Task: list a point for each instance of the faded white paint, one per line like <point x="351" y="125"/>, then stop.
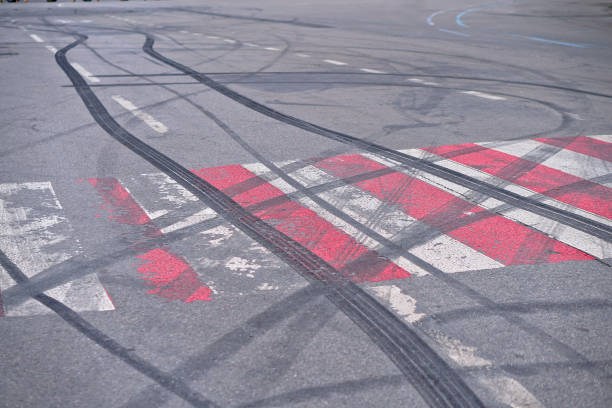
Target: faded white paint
<point x="484" y="95"/>
<point x="603" y="138"/>
<point x="568" y="161"/>
<point x="403" y="304"/>
<point x="79" y="68"/>
<point x="441" y="251"/>
<point x="334" y="62"/>
<point x="36" y="38"/>
<point x="145" y="117"/>
<point x="506" y="185"/>
<point x="594" y="246"/>
<point x="35" y="235"/>
<point x="372" y="71"/>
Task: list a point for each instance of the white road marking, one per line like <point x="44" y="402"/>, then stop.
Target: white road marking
<point x="184" y="32"/>
<point x="509" y="391"/>
<point x="372" y="71"/>
<point x="267" y="286"/>
<point x="36" y="38"/>
<point x="484" y="95"/>
<point x="568" y="161"/>
<point x="403" y="304"/>
<point x="212" y="37"/>
<point x="506" y="185"/>
<point x="271" y="48"/>
<point x="84" y="72"/>
<point x="441" y="251"/>
<point x="594" y="246"/>
<point x="145" y="117"/>
<point x="420" y="81"/>
<point x="194" y="219"/>
<point x="51" y="48"/>
<point x="303" y="55"/>
<point x="334" y="62"/>
<point x="603" y="138"/>
<point x="505" y="389"/>
<point x="227" y="40"/>
<point x="35" y="235"/>
<point x="251" y="45"/>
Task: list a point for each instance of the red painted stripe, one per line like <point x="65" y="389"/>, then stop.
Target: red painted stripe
<point x="118" y="201"/>
<point x="580" y="144"/>
<point x="172" y="277"/>
<point x="553" y="183"/>
<point x="303" y="225"/>
<point x="495" y="236"/>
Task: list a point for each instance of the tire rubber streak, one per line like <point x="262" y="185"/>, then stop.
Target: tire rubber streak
<point x="340" y="250"/>
<point x="516" y="200"/>
<point x="581" y="144"/>
<point x="550" y="182"/>
<point x="431" y="376"/>
<point x="172" y="384"/>
<point x="493" y="235"/>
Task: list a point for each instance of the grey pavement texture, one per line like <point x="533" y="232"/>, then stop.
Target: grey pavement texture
<point x="392" y="72"/>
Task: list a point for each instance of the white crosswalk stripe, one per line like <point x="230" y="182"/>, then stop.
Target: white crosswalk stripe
<point x="35" y="235"/>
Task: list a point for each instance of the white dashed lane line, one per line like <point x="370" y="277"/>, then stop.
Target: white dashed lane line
<point x="251" y="45"/>
<point x="372" y="71"/>
<point x="36" y="38"/>
<point x="334" y="62"/>
<point x="90" y="77"/>
<point x="303" y="55"/>
<point x="51" y="48"/>
<point x="420" y="81"/>
<point x="227" y="40"/>
<point x="145" y="117"/>
<point x="484" y="95"/>
<point x="272" y="49"/>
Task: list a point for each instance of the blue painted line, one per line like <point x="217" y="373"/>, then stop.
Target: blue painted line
<point x="430" y="18"/>
<point x="460" y="15"/>
<point x="544" y="40"/>
<point x="454" y="32"/>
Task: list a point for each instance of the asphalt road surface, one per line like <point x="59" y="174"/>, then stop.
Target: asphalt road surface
<point x="349" y="203"/>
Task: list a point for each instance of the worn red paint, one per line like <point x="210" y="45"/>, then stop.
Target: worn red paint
<point x="581" y="144"/>
<point x="495" y="236"/>
<point x="172" y="277"/>
<point x="119" y="202"/>
<point x="303" y="225"/>
<point x="550" y="182"/>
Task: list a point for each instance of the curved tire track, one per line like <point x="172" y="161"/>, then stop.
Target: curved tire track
<point x="564" y="217"/>
<point x="431" y="376"/>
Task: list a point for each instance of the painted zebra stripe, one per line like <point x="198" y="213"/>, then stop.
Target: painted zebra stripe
<point x="32" y="228"/>
<point x="493" y="235"/>
<point x="488" y="178"/>
<point x="581" y="144"/>
<point x="567" y="161"/>
<point x="594" y="246"/>
<point x="169" y="274"/>
<point x="303" y="225"/>
<point x="542" y="179"/>
<point x="439" y="250"/>
<point x="603" y="138"/>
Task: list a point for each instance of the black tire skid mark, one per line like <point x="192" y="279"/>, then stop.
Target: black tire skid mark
<point x="431" y="376"/>
<point x="564" y="217"/>
<point x="171" y="383"/>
